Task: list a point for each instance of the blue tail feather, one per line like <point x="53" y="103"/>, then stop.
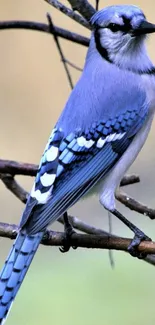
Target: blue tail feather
<point x="15" y="269"/>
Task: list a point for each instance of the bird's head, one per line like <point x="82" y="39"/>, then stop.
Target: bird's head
<point x="120" y="32"/>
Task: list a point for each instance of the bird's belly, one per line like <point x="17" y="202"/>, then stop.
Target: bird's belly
<point x="112" y="181"/>
<point x="107" y="186"/>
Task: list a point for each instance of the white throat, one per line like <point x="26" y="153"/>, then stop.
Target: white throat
<point x="132" y="57"/>
<point x="127" y="54"/>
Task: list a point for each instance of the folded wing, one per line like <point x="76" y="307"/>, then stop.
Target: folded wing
<point x="71" y="165"/>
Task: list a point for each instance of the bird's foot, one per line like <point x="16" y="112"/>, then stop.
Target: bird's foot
<point x="138" y="237"/>
<point x="133" y="247"/>
<point x="46" y="236"/>
<point x="68" y="232"/>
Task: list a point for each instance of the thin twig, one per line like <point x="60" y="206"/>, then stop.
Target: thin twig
<point x="135" y="205"/>
<point x="14" y="187"/>
<point x="97" y="4"/>
<point x="52" y="28"/>
<point x="83" y="7"/>
<point x="129" y="180"/>
<point x="84" y="227"/>
<point x="73" y="65"/>
<point x="31" y="25"/>
<point x="17" y="168"/>
<point x="8" y="231"/>
<point x="150" y="259"/>
<point x="68" y="12"/>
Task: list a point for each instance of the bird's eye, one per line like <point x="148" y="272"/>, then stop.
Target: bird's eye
<point x="114" y="27"/>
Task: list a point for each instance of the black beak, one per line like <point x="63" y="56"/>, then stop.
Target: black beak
<point x="144" y="28"/>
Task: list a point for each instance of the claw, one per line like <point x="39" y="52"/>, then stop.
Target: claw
<point x="64" y="249"/>
<point x="46" y="236"/>
<point x="68" y="233"/>
<point x="133" y="247"/>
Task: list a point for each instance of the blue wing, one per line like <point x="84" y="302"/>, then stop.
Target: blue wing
<point x="71" y="165"/>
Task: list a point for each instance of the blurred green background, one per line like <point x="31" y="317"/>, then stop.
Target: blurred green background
<point x="79" y="287"/>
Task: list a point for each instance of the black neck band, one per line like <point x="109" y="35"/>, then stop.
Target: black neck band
<point x="103" y="52"/>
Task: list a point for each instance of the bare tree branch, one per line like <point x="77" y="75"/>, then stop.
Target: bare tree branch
<point x="53" y="238"/>
<point x="129" y="180"/>
<point x="73" y="65"/>
<point x="31" y="25"/>
<point x="150" y="259"/>
<point x="97" y="4"/>
<point x="83" y="7"/>
<point x="14" y="187"/>
<point x="84" y="227"/>
<point x="135" y="205"/>
<point x="17" y="168"/>
<point x="52" y="28"/>
<point x="68" y="12"/>
<point x="8" y="231"/>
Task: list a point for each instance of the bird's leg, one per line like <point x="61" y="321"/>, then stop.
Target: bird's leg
<point x="138" y="238"/>
<point x="69" y="231"/>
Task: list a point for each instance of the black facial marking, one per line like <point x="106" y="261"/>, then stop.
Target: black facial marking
<point x="114" y="27"/>
<point x="127" y="23"/>
<point x="149" y="71"/>
<point x="125" y="28"/>
<point x="103" y="52"/>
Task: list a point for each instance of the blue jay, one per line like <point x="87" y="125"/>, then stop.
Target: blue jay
<point x="97" y="137"/>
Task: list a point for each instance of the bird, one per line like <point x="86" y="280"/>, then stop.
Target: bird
<point x="98" y="135"/>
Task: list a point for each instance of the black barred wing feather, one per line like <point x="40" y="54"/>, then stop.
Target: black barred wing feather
<point x="45" y="177"/>
<point x="80" y="161"/>
<point x="47" y="171"/>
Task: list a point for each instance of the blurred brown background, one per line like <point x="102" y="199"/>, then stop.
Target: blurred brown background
<point x="79" y="287"/>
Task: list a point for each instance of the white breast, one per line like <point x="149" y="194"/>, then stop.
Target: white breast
<point x="148" y="83"/>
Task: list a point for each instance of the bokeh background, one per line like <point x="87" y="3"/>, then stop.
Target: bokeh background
<point x="79" y="287"/>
